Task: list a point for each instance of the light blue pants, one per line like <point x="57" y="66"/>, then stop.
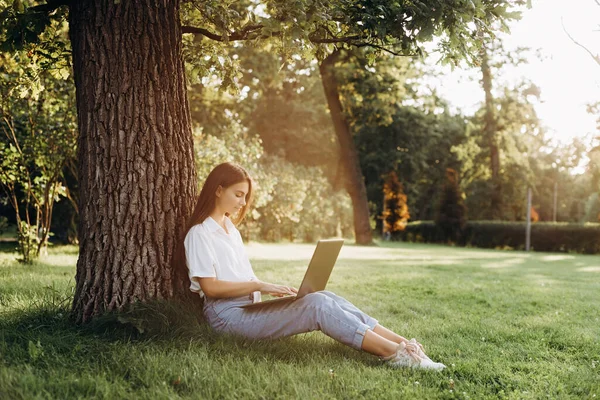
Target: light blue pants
<point x="324" y="311"/>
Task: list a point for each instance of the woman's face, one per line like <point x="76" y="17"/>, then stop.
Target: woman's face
<point x="232" y="198"/>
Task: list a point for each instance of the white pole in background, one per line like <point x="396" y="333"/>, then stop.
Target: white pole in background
<point x="528" y="230"/>
<point x="555" y="201"/>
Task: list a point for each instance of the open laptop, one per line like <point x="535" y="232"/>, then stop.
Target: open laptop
<point x="317" y="273"/>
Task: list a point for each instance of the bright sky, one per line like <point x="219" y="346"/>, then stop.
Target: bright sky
<point x="567" y="75"/>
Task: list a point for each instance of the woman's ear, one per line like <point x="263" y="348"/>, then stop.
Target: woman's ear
<point x="219" y="190"/>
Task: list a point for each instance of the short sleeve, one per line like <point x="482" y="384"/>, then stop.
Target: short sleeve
<point x="199" y="255"/>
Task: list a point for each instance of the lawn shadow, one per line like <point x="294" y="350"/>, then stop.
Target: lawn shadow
<point x="9" y="246"/>
<point x="46" y="338"/>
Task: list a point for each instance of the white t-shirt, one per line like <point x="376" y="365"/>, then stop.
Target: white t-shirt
<point x="212" y="253"/>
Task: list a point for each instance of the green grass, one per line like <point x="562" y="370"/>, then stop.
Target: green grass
<point x="507" y="324"/>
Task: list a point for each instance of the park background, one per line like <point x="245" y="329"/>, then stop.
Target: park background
<point x="440" y="146"/>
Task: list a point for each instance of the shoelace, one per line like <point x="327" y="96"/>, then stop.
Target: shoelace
<point x="413" y="349"/>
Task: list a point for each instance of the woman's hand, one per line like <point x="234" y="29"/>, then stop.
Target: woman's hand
<point x="277" y="290"/>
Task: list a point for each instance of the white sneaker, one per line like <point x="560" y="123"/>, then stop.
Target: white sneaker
<point x="412" y="355"/>
<point x="418" y="349"/>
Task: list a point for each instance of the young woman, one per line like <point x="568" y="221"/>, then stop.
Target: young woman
<point x="219" y="270"/>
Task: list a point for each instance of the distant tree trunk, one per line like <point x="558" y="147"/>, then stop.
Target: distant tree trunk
<point x="354" y="182"/>
<point x="490" y="130"/>
<point x="135" y="153"/>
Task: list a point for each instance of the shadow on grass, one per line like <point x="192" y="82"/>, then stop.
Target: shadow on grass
<point x="9" y="246"/>
<point x="46" y="338"/>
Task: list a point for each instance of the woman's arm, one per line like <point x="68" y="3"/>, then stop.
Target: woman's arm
<point x="213" y="287"/>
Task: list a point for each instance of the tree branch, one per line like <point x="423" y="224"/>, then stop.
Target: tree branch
<point x="595" y="57"/>
<point x="50" y="6"/>
<point x="247" y="34"/>
<point x="345" y="39"/>
<point x="244" y="34"/>
<point x="376" y="46"/>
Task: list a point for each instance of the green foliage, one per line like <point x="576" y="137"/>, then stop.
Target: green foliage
<point x="313" y="29"/>
<point x="273" y="98"/>
<point x="303" y="204"/>
<point x="275" y="94"/>
<point x="399" y="126"/>
<point x="563" y="237"/>
<point x="37" y="39"/>
<point x="284" y="99"/>
<point x="23" y="24"/>
<point x="452" y="213"/>
<point x="545" y="236"/>
<point x="399" y="26"/>
<point x="291" y="201"/>
<point x="527" y="158"/>
<point x="291" y="162"/>
<point x="372" y="91"/>
<point x="38" y="138"/>
<point x="29" y="241"/>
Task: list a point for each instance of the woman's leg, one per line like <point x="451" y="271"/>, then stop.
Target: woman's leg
<point x="388" y="334"/>
<point x="378" y="345"/>
<point x="351" y="308"/>
<point x="314" y="311"/>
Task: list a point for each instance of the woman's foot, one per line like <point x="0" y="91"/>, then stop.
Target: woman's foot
<point x="410" y="354"/>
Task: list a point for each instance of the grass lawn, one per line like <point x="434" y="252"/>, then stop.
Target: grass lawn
<point x="507" y="324"/>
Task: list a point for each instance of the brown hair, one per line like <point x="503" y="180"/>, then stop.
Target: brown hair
<point x="223" y="175"/>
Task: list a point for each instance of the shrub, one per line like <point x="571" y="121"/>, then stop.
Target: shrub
<point x="545" y="236"/>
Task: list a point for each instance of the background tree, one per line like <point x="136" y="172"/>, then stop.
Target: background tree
<point x="39" y="134"/>
<point x="395" y="211"/>
<point x="331" y="28"/>
<point x="493" y="57"/>
<point x="400" y="124"/>
<point x="522" y="141"/>
<point x="452" y="213"/>
<point x="260" y="127"/>
<point x="399" y="29"/>
<point x="490" y="132"/>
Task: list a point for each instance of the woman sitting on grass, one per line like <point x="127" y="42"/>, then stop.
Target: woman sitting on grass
<point x="219" y="270"/>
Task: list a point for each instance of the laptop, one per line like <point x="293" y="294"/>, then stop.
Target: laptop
<point x="317" y="274"/>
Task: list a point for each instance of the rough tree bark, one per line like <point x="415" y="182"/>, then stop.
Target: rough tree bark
<point x="135" y="152"/>
<point x="490" y="130"/>
<point x="354" y="182"/>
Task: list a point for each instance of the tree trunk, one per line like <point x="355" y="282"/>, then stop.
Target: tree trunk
<point x="354" y="181"/>
<point x="135" y="152"/>
<point x="491" y="134"/>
